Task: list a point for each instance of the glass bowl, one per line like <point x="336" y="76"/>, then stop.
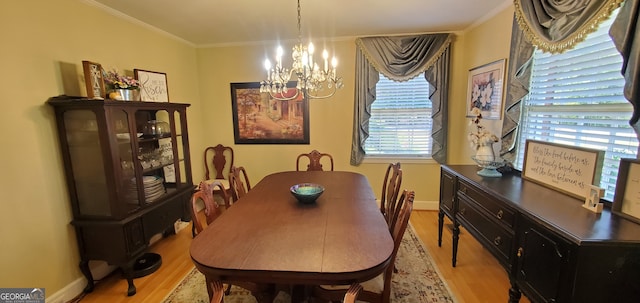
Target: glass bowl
<point x="156" y="128"/>
<point x="307" y="193"/>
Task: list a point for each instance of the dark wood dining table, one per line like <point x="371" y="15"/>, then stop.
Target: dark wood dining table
<point x="269" y="237"/>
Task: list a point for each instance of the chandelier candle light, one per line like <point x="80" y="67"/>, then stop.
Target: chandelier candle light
<point x="311" y="79"/>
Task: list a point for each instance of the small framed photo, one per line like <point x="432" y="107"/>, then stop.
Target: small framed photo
<point x="153" y="85"/>
<point x="485" y="89"/>
<point x="626" y="201"/>
<point x="94" y="79"/>
<point x="260" y="119"/>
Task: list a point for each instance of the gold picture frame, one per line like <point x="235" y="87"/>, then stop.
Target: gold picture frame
<point x="260" y="119"/>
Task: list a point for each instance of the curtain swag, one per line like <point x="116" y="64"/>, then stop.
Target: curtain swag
<point x="557" y="25"/>
<point x="401" y="58"/>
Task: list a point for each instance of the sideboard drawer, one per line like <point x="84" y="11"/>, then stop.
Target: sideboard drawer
<point x="492" y="206"/>
<point x="495" y="238"/>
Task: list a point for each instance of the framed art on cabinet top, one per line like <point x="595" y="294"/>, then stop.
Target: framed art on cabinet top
<point x="93" y="79"/>
<point x="153" y="85"/>
<point x="626" y="201"/>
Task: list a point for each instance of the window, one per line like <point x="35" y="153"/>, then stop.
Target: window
<point x="400" y="123"/>
<point x="576" y="98"/>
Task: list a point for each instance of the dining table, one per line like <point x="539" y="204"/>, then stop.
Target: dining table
<point x="267" y="236"/>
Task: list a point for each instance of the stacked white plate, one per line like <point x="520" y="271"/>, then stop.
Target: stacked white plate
<point x="153" y="188"/>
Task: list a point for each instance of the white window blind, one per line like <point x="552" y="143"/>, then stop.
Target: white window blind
<point x="576" y="98"/>
<point x="400" y="123"/>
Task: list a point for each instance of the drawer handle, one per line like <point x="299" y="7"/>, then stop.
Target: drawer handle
<point x="464" y="190"/>
<point x="462" y="211"/>
<point x="497" y="241"/>
<point x="520" y="252"/>
<point x="500" y="214"/>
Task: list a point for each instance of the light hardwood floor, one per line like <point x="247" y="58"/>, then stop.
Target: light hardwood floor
<point x="477" y="276"/>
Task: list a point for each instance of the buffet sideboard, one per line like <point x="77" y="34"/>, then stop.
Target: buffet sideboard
<point x="553" y="249"/>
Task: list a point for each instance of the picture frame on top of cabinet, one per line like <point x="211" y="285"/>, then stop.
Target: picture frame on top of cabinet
<point x="94" y="79"/>
<point x="626" y="200"/>
<point x="485" y="89"/>
<point x="153" y="85"/>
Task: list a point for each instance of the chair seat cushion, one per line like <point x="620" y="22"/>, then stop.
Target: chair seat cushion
<point x="224" y="182"/>
<point x="375" y="285"/>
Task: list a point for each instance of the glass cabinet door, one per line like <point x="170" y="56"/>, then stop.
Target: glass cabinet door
<point x="87" y="163"/>
<point x="125" y="173"/>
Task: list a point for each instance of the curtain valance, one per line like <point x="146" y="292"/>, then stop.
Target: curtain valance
<point x="401" y="58"/>
<point x="557" y="25"/>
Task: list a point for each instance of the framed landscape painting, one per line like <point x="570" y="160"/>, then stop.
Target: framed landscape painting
<point x="260" y="119"/>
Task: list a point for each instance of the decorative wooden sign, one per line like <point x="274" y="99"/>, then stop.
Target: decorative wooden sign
<point x="569" y="169"/>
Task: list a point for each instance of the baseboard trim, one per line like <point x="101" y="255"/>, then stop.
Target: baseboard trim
<point x="99" y="270"/>
<point x="425" y="205"/>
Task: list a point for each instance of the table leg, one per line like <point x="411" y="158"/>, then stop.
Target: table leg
<point x="298" y="293"/>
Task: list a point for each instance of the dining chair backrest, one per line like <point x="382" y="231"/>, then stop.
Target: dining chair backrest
<point x="352" y="293"/>
<point x="315" y="160"/>
<point x="390" y="190"/>
<point x="239" y="182"/>
<point x="402" y="213"/>
<point x="378" y="289"/>
<point x="221" y="157"/>
<point x="211" y="209"/>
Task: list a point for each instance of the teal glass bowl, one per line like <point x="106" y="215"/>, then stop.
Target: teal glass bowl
<point x="307" y="193"/>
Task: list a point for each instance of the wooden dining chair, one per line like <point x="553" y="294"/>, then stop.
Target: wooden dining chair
<point x="352" y="293"/>
<point x="315" y="158"/>
<point x="239" y="182"/>
<point x="378" y="289"/>
<point x="211" y="210"/>
<point x="390" y="190"/>
<point x="218" y="161"/>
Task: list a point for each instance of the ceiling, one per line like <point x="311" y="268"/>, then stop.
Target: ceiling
<point x="230" y="22"/>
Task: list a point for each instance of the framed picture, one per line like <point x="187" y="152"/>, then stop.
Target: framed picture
<point x="153" y="85"/>
<point x="260" y="119"/>
<point x="568" y="169"/>
<point x="485" y="89"/>
<point x="626" y="201"/>
<point x="93" y="79"/>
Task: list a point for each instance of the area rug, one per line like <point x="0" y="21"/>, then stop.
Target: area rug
<point x="417" y="280"/>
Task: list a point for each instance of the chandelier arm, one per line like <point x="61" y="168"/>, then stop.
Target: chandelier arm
<point x="284" y="98"/>
<point x="314" y="96"/>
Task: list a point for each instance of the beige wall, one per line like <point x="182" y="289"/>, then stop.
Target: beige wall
<point x="487" y="42"/>
<point x="43" y="45"/>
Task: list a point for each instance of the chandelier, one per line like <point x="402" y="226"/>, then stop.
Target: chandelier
<point x="311" y="78"/>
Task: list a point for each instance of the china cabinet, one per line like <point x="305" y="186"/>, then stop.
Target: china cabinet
<point x="128" y="175"/>
<point x="553" y="249"/>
